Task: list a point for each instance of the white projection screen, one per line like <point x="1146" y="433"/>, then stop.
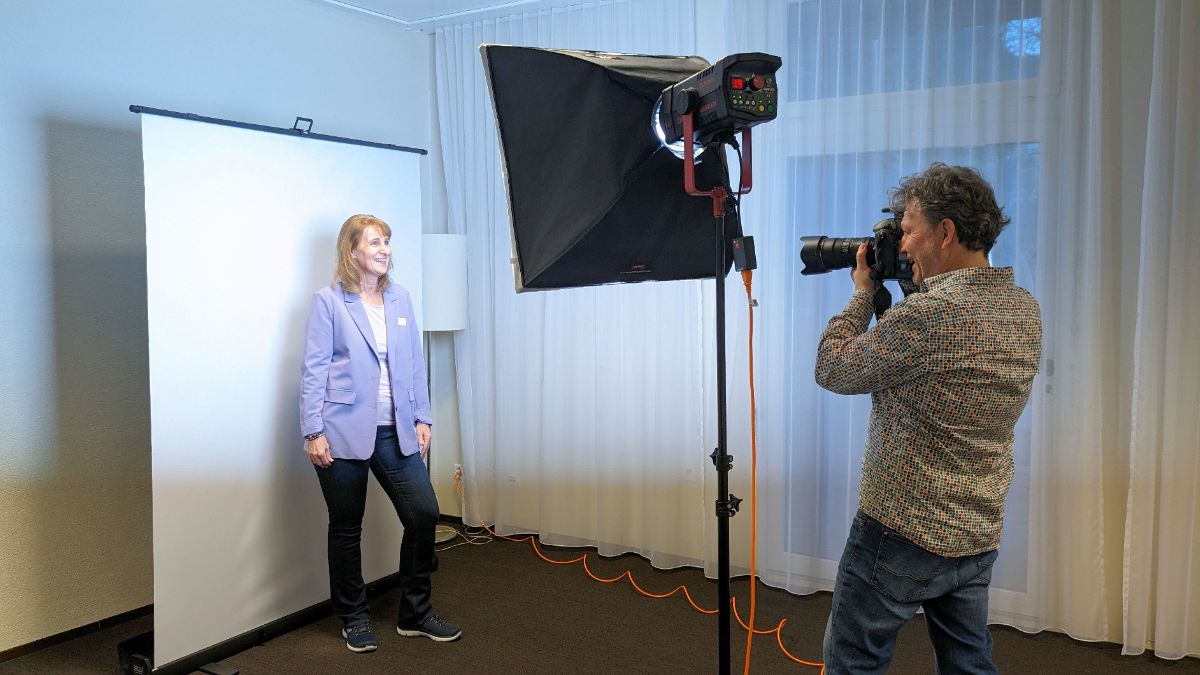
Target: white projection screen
<point x="240" y="231"/>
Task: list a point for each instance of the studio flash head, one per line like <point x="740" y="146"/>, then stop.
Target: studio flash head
<point x="735" y="93"/>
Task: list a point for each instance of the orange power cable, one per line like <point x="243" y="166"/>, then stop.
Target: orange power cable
<point x="777" y="630"/>
<point x="747" y="277"/>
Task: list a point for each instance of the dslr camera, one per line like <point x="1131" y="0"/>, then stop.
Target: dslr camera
<point x="821" y="254"/>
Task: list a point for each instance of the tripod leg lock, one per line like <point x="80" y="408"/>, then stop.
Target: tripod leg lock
<point x="728" y="508"/>
<point x="725" y="465"/>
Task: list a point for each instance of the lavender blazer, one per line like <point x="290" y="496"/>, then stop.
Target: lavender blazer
<point x="339" y="379"/>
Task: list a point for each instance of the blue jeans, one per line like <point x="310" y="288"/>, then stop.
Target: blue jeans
<point x="406" y="482"/>
<point x="882" y="579"/>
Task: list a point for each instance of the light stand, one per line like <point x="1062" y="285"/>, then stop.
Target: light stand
<point x="620" y="217"/>
<point x="727" y="504"/>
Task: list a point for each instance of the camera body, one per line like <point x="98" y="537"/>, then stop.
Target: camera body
<point x="821" y="254"/>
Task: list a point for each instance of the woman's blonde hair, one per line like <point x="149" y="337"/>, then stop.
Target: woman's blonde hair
<point x="347" y="270"/>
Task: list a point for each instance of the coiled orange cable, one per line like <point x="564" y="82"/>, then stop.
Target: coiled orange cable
<point x="747" y="276"/>
<point x="777" y="630"/>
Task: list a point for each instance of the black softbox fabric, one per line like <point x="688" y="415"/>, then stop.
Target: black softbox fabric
<point x="593" y="196"/>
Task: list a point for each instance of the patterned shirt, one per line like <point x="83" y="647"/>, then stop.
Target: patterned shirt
<point x="949" y="370"/>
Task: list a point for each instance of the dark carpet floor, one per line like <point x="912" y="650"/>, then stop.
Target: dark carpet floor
<point x="522" y="615"/>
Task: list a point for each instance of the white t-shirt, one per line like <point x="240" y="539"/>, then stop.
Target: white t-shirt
<point x="387" y="413"/>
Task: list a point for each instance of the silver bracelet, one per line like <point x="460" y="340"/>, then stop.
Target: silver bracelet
<point x="313" y="437"/>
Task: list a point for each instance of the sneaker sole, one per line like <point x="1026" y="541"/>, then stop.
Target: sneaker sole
<point x="360" y="650"/>
<point x="420" y="633"/>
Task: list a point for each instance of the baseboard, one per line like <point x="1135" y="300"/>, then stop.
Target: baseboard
<point x="66" y="636"/>
<point x="269" y="631"/>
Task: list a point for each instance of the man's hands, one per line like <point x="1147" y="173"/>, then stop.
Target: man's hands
<point x="861" y="272"/>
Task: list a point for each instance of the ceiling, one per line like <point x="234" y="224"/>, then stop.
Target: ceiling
<point x="429" y="14"/>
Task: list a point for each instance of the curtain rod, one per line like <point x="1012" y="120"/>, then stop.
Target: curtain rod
<point x="294" y="131"/>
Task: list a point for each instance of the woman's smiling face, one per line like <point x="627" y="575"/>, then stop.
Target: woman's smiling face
<point x="373" y="253"/>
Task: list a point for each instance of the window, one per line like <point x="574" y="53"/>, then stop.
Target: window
<point x="855" y="47"/>
<point x="877" y="90"/>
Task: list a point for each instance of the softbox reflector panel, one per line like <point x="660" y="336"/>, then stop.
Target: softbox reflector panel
<point x="594" y="197"/>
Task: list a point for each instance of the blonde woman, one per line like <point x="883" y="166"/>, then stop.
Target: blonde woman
<point x="364" y="408"/>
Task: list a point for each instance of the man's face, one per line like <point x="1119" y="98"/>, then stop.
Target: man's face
<point x="921" y="241"/>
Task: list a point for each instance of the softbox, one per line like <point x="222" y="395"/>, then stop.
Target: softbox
<point x="593" y="196"/>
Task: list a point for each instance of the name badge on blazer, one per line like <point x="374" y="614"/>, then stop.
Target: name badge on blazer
<point x="401" y="321"/>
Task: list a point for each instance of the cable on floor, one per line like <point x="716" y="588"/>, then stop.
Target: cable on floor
<point x="777" y="630"/>
<point x="748" y="627"/>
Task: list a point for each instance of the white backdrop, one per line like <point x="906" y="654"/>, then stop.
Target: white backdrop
<point x="240" y="230"/>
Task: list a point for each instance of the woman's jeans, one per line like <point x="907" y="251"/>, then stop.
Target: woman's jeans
<point x="882" y="579"/>
<point x="406" y="482"/>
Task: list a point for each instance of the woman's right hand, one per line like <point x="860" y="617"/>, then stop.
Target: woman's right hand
<point x="318" y="452"/>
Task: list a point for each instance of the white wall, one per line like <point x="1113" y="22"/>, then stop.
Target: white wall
<point x="74" y="418"/>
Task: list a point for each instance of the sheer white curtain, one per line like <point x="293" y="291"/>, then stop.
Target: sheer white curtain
<point x="583" y="411"/>
<point x="1162" y="527"/>
<point x="1093" y="151"/>
<point x="1077" y="477"/>
<point x="870" y="91"/>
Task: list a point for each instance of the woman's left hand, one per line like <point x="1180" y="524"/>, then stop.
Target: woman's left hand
<point x="424" y="434"/>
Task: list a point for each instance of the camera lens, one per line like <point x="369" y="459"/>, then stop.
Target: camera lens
<point x="822" y="254"/>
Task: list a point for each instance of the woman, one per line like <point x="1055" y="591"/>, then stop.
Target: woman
<point x="364" y="407"/>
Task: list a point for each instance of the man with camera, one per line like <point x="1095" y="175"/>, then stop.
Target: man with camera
<point x="949" y="370"/>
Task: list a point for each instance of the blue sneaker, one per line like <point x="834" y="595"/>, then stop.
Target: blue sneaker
<point x="433" y="627"/>
<point x="359" y="638"/>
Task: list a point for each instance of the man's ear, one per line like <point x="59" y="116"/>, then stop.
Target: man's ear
<point x="949" y="232"/>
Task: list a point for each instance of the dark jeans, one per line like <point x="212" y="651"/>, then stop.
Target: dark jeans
<point x="882" y="579"/>
<point x="406" y="482"/>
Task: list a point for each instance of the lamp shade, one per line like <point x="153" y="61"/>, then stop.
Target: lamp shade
<point x="444" y="281"/>
<point x="594" y="196"/>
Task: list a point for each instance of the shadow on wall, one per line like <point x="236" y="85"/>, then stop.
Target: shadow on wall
<point x="296" y="566"/>
<point x="95" y="508"/>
